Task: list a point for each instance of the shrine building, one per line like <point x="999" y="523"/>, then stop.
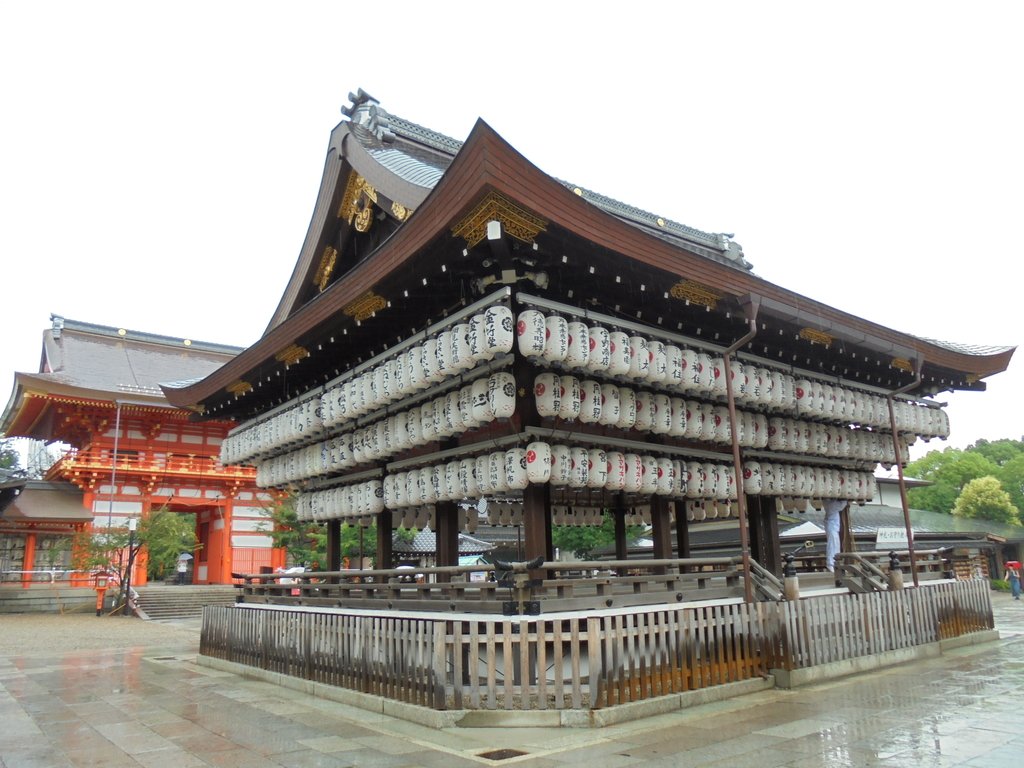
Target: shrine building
<point x="466" y="337"/>
<point x="129" y="451"/>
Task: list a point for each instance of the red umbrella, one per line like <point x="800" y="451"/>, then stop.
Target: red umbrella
<point x="1013" y="563"/>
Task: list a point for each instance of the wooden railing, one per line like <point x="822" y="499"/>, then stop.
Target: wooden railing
<point x="583" y="660"/>
<point x="866" y="571"/>
<point x="559" y="586"/>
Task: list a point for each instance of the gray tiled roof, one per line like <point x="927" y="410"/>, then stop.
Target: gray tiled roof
<point x="425" y="543"/>
<point x="420" y="156"/>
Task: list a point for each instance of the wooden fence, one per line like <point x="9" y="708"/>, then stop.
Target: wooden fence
<point x="583" y="660"/>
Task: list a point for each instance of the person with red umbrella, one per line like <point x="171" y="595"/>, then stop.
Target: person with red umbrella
<point x="1013" y="576"/>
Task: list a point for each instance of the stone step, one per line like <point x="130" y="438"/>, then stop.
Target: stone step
<point x="182" y="602"/>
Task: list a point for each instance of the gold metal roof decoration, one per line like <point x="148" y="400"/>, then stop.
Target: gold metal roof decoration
<point x="291" y="354"/>
<point x="695" y="293"/>
<point x="239" y="388"/>
<point x="357" y="202"/>
<point x="401" y="212"/>
<point x="364" y="307"/>
<point x="901" y="363"/>
<point x="326" y="268"/>
<point x="816" y="337"/>
<point x="516" y="221"/>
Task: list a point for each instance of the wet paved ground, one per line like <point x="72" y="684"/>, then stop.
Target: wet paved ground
<point x="152" y="706"/>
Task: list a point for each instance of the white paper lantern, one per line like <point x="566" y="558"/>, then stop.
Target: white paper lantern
<point x="619" y="348"/>
<point x="677" y="418"/>
<point x="501" y="394"/>
<point x="547" y="392"/>
<point x="657" y="371"/>
<point x="481" y="472"/>
<point x="694" y="420"/>
<point x="515" y="469"/>
<point x="673" y="367"/>
<point x="723" y="426"/>
<point x="578" y="353"/>
<point x="627" y="408"/>
<point x="600" y="349"/>
<point x="666" y="477"/>
<point x="531" y="333"/>
<point x="661" y="423"/>
<point x="538" y="463"/>
<point x="634" y="473"/>
<point x="556" y="342"/>
<point x="430" y="361"/>
<point x="597" y="468"/>
<point x="694" y="480"/>
<point x="639" y="357"/>
<point x="499" y="330"/>
<point x="648" y="475"/>
<point x="478" y="348"/>
<point x="644" y="411"/>
<point x="561" y="465"/>
<point x="579" y="467"/>
<point x="616" y="471"/>
<point x="611" y="405"/>
<point x="590" y="401"/>
<point x="469" y="420"/>
<point x="718" y="381"/>
<point x="461" y="354"/>
<point x="570" y="404"/>
<point x="752" y="478"/>
<point x="497" y="479"/>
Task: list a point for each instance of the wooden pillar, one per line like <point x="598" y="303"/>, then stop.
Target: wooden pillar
<point x="661" y="529"/>
<point x="537" y="522"/>
<point x="333" y="545"/>
<point x="764" y="533"/>
<point x="682" y="530"/>
<point x="29" y="560"/>
<point x="446" y="536"/>
<point x="385" y="529"/>
<point x="619" y="511"/>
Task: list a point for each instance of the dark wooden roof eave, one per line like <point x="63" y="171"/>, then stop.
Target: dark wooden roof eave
<point x="486" y="162"/>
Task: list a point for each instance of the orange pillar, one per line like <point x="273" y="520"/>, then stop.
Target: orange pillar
<point x="29" y="562"/>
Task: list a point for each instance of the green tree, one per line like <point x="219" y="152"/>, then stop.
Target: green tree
<point x="9" y="456"/>
<point x="583" y="540"/>
<point x="166" y="535"/>
<point x="949" y="471"/>
<point x="304" y="541"/>
<point x="985" y="498"/>
<point x="999" y="452"/>
<point x="1011" y="477"/>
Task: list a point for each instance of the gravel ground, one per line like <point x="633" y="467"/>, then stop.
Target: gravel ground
<point x="27" y="634"/>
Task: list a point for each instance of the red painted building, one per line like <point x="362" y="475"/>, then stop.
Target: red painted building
<point x="129" y="451"/>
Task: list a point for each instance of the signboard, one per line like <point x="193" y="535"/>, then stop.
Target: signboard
<point x="891" y="538"/>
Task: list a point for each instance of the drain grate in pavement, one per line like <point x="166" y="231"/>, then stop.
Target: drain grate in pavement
<point x="501" y="754"/>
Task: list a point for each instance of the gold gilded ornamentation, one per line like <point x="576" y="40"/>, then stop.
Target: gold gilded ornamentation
<point x="902" y="364"/>
<point x="239" y="387"/>
<point x="364" y="219"/>
<point x="326" y="268"/>
<point x="815" y="336"/>
<point x="291" y="354"/>
<point x="401" y="212"/>
<point x="695" y="293"/>
<point x="350" y="209"/>
<point x="364" y="307"/>
<point x="516" y="221"/>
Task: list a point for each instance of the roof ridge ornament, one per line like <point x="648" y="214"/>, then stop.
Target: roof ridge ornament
<point x="364" y="111"/>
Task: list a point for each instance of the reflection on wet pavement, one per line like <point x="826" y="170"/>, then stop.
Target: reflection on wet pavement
<point x="156" y="708"/>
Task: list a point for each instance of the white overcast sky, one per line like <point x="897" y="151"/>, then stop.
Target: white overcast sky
<point x="160" y="161"/>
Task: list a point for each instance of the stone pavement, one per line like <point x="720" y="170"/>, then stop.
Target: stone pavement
<point x="150" y="705"/>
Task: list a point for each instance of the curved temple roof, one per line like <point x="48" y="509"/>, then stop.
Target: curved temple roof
<point x="423" y="184"/>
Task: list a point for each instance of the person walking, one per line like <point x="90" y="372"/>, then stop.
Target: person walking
<point x="182" y="569"/>
<point x="1013" y="576"/>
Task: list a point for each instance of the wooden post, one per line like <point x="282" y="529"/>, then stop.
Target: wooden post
<point x="333" y="546"/>
<point x="619" y="511"/>
<point x="764" y="533"/>
<point x="385" y="530"/>
<point x="682" y="531"/>
<point x="537" y="522"/>
<point x="661" y="529"/>
<point x="446" y="515"/>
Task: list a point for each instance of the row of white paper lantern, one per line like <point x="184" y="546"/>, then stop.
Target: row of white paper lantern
<point x="471" y="406"/>
<point x="566" y="397"/>
<point x="452" y="352"/>
<point x="575" y="345"/>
